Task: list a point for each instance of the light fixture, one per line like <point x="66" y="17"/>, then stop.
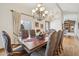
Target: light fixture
<point x="39" y="12"/>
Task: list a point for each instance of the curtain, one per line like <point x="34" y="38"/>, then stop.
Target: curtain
<point x="16" y="25"/>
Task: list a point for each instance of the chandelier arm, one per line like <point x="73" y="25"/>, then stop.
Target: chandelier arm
<point x="39" y="13"/>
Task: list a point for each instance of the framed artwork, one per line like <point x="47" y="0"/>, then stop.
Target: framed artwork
<point x="41" y="26"/>
<point x="36" y="24"/>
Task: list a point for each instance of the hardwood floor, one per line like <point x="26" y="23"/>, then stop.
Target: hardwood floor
<point x="1" y="52"/>
<point x="70" y="44"/>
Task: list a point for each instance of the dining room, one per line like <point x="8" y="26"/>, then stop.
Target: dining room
<point x="39" y="29"/>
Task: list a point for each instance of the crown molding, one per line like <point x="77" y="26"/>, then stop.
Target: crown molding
<point x="21" y="13"/>
<point x="67" y="12"/>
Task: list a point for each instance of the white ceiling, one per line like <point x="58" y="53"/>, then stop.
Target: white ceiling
<point x="30" y="6"/>
<point x="69" y="7"/>
<point x="66" y="7"/>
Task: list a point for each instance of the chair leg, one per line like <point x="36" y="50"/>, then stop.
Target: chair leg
<point x="56" y="53"/>
<point x="61" y="49"/>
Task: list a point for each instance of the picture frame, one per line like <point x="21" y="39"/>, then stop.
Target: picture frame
<point x="36" y="24"/>
<point x="41" y="26"/>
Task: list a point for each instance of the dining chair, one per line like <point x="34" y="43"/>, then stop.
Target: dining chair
<point x="17" y="51"/>
<point x="24" y="34"/>
<point x="59" y="35"/>
<point x="61" y="43"/>
<point x="32" y="33"/>
<point x="51" y="44"/>
<point x="22" y="27"/>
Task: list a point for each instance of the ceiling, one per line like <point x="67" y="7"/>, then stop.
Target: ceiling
<point x="69" y="7"/>
<point x="66" y="7"/>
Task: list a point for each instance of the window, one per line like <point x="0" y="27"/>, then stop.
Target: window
<point x="26" y="22"/>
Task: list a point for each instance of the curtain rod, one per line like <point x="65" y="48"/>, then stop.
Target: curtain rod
<point x="22" y="13"/>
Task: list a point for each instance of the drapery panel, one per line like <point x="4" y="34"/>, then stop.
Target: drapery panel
<point x="16" y="24"/>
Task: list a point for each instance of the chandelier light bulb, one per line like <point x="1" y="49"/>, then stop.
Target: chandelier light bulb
<point x="39" y="12"/>
<point x="42" y="9"/>
<point x="39" y="5"/>
<point x="44" y="15"/>
<point x="36" y="9"/>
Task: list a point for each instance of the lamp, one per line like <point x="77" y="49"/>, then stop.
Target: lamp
<point x="39" y="12"/>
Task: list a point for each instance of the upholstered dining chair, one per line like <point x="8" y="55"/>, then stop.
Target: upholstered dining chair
<point x="51" y="45"/>
<point x="22" y="27"/>
<point x="59" y="35"/>
<point x="24" y="34"/>
<point x="32" y="33"/>
<point x="8" y="48"/>
<point x="61" y="43"/>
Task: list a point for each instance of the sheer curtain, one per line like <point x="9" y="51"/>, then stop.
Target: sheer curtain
<point x="16" y="25"/>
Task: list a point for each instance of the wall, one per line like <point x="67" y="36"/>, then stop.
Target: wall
<point x="6" y="23"/>
<point x="77" y="30"/>
<point x="56" y="22"/>
<point x="24" y="17"/>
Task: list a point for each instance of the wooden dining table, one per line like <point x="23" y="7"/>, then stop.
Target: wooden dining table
<point x="33" y="44"/>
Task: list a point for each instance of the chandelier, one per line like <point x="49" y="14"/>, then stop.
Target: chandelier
<point x="39" y="12"/>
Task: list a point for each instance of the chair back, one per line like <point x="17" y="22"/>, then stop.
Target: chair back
<point x="61" y="39"/>
<point x="50" y="49"/>
<point x="22" y="27"/>
<point x="7" y="42"/>
<point x="32" y="33"/>
<point x="24" y="34"/>
<point x="59" y="35"/>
